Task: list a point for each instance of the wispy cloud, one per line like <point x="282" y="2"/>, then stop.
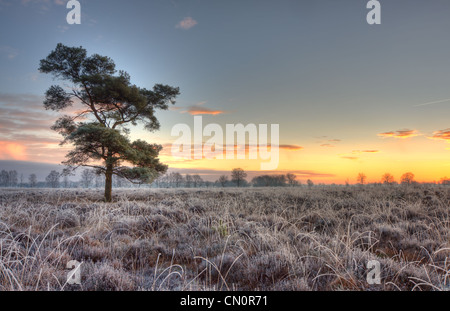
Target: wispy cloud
<point x="42" y="6"/>
<point x="186" y="23"/>
<point x="8" y="52"/>
<point x="441" y="135"/>
<point x="357" y="154"/>
<point x="62" y="28"/>
<point x="405" y="133"/>
<point x="365" y="151"/>
<point x="291" y="147"/>
<point x="434" y="102"/>
<point x="350" y="157"/>
<point x="329" y="143"/>
<point x="47" y="2"/>
<point x="195" y="110"/>
<point x="198" y="109"/>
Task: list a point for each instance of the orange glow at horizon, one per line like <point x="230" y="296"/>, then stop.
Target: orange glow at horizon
<point x="426" y="157"/>
<point x="428" y="160"/>
<point x="9" y="150"/>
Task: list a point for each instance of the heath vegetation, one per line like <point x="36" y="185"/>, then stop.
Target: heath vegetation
<point x="298" y="238"/>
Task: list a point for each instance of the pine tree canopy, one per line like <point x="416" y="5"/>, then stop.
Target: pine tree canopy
<point x="111" y="104"/>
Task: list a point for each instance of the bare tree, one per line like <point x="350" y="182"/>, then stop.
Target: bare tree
<point x="238" y="176"/>
<point x="98" y="181"/>
<point x="310" y="183"/>
<point x="291" y="178"/>
<point x="119" y="182"/>
<point x="4" y="178"/>
<point x="13" y="178"/>
<point x="189" y="180"/>
<point x="32" y="180"/>
<point x="407" y="178"/>
<point x="361" y="178"/>
<point x="177" y="179"/>
<point x="223" y="180"/>
<point x="87" y="177"/>
<point x="66" y="181"/>
<point x="387" y="179"/>
<point x="53" y="179"/>
<point x="197" y="180"/>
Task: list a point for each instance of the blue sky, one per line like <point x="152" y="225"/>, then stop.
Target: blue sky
<point x="314" y="67"/>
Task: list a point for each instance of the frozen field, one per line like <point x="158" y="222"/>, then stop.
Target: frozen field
<point x="318" y="238"/>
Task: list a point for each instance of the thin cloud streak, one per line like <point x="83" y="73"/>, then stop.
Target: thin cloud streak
<point x="435" y="102"/>
<point x="405" y="133"/>
<point x="194" y="111"/>
<point x="198" y="109"/>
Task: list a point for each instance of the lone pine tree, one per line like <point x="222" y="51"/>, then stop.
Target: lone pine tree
<point x="99" y="132"/>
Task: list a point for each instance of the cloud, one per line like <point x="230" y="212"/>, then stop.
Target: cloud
<point x="350" y="158"/>
<point x="356" y="154"/>
<point x="62" y="28"/>
<point x="441" y="135"/>
<point x="47" y="2"/>
<point x="23" y="112"/>
<point x="364" y="151"/>
<point x="198" y="109"/>
<point x="290" y="147"/>
<point x="8" y="51"/>
<point x="329" y="143"/>
<point x="370" y="151"/>
<point x="171" y="108"/>
<point x="434" y="102"/>
<point x="405" y="133"/>
<point x="186" y="23"/>
<point x="195" y="110"/>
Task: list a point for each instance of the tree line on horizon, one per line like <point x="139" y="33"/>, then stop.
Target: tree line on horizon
<point x="238" y="178"/>
<point x="388" y="179"/>
<point x="90" y="179"/>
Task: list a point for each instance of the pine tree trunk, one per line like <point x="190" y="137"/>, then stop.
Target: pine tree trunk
<point x="108" y="183"/>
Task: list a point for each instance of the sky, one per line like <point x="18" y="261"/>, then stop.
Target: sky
<point x="349" y="97"/>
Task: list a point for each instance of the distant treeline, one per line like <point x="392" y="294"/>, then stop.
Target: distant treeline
<point x="89" y="179"/>
<point x="237" y="178"/>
